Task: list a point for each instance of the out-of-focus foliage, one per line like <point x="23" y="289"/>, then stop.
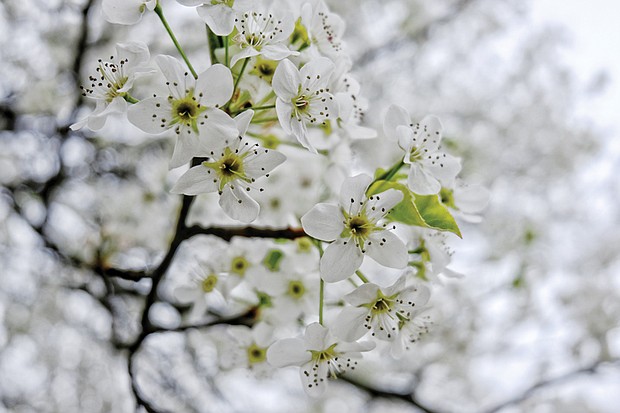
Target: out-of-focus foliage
<point x="541" y="297"/>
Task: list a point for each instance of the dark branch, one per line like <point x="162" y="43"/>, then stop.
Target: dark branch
<point x="407" y="397"/>
<point x="591" y="369"/>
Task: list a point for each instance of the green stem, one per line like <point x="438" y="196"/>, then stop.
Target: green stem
<point x="226" y="51"/>
<point x="321" y="295"/>
<point x="158" y="10"/>
<point x="263" y="107"/>
<point x="130" y="98"/>
<point x="213" y="43"/>
<point x="265" y="120"/>
<point x="245" y="63"/>
<point x="389" y="174"/>
<point x="361" y="276"/>
<point x="253" y="108"/>
<point x="321" y="285"/>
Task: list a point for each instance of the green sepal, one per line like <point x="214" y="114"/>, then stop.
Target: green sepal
<point x="272" y="259"/>
<point x="418" y="210"/>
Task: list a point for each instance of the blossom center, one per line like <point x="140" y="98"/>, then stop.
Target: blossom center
<point x="209" y="283"/>
<point x="239" y="265"/>
<point x="256" y="354"/>
<point x="296" y="289"/>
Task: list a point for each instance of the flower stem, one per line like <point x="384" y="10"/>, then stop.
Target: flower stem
<point x="389" y="174"/>
<point x="245" y="63"/>
<point x="158" y="10"/>
<point x="321" y="295"/>
<point x="266" y="120"/>
<point x="226" y="51"/>
<point x="263" y="107"/>
<point x="213" y="43"/>
<point x="321" y="285"/>
<point x="361" y="276"/>
<point x="130" y="98"/>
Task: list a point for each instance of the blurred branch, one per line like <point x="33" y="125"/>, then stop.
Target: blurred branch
<point x="591" y="369"/>
<point x="408" y="397"/>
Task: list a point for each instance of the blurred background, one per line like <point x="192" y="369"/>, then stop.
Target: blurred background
<point x="528" y="92"/>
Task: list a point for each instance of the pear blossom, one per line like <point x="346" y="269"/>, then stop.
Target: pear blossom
<point x="431" y="254"/>
<point x="261" y="33"/>
<point x="351" y="103"/>
<point x="247" y="348"/>
<point x="113" y="80"/>
<point x="231" y="169"/>
<point x="293" y="291"/>
<point x="304" y="97"/>
<point x="379" y="311"/>
<point x="410" y="328"/>
<point x="325" y="29"/>
<point x="219" y="15"/>
<point x="429" y="165"/>
<point x="191" y="109"/>
<point x="210" y="287"/>
<point x="126" y="11"/>
<point x="319" y="354"/>
<point x="355" y="228"/>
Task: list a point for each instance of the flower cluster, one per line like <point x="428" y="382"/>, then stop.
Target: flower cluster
<point x="272" y="128"/>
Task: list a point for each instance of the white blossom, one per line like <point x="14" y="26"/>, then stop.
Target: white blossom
<point x="231" y="170"/>
<point x="191" y="108"/>
<point x="355" y="228"/>
<point x="114" y="78"/>
<point x="429" y="165"/>
<point x="126" y="11"/>
<point x="303" y="97"/>
<point x="319" y="354"/>
<point x="379" y="311"/>
<point x="262" y="33"/>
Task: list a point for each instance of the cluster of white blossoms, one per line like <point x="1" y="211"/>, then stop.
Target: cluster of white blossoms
<point x="278" y="99"/>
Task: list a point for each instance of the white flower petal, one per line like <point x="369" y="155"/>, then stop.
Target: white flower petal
<point x="216" y="85"/>
<point x="444" y="167"/>
<point x="314" y="380"/>
<point x="286" y="81"/>
<point x="186" y="147"/>
<point x="285" y="114"/>
<point x="141" y="115"/>
<point x="324" y="222"/>
<point x="237" y="204"/>
<point x="196" y="180"/>
<point x="242" y="121"/>
<point x="316" y="337"/>
<point x="122" y="11"/>
<point x="387" y="249"/>
<point x="263" y="163"/>
<point x="340" y="260"/>
<point x="379" y="205"/>
<point x="316" y="73"/>
<point x="217" y="129"/>
<point x="243" y="54"/>
<point x="219" y="17"/>
<point x="288" y="352"/>
<point x="363" y="294"/>
<point x="277" y="52"/>
<point x="421" y="182"/>
<point x="394" y="117"/>
<point x="349" y="324"/>
<point x="428" y="135"/>
<point x="353" y="193"/>
<point x="176" y="74"/>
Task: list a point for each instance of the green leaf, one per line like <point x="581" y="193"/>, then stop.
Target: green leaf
<point x="419" y="210"/>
